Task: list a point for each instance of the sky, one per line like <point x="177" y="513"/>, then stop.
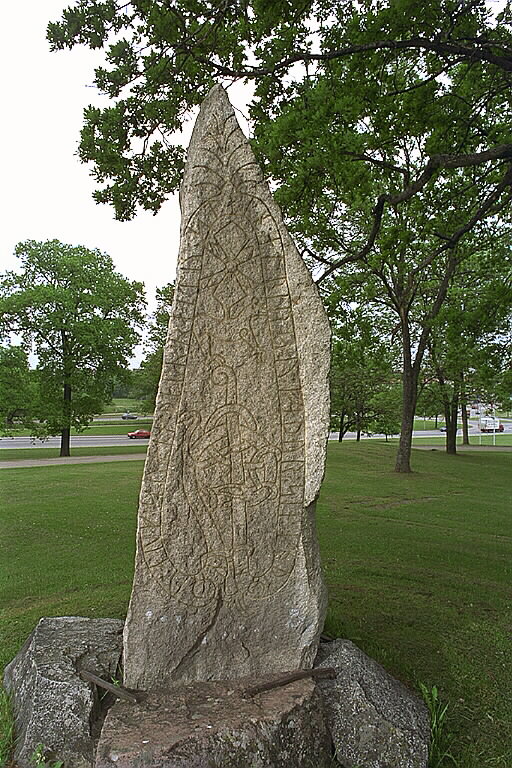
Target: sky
<point x="46" y="192"/>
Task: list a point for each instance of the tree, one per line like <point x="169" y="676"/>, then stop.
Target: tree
<point x="351" y="169"/>
<point x="81" y="318"/>
<point x="449" y="58"/>
<point x="471" y="336"/>
<point x="430" y="403"/>
<point x="385" y="127"/>
<point x="18" y="390"/>
<point x="386" y="406"/>
<point x="362" y="374"/>
<point x="147" y="377"/>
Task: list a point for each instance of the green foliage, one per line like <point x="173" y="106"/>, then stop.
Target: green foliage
<point x="364" y="394"/>
<point x="372" y="74"/>
<point x="18" y="390"/>
<point x="469" y="352"/>
<point x="81" y="318"/>
<point x="439" y="738"/>
<point x="147" y="377"/>
<point x="42" y="758"/>
<point x="122" y="385"/>
<point x="387" y="409"/>
<point x="384" y="126"/>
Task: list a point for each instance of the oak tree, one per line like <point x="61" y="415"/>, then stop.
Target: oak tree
<point x="80" y="317"/>
<point x="18" y="389"/>
<point x="384" y="125"/>
<point x="147" y="377"/>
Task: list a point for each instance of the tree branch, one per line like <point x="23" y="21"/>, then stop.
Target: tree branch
<point x="482" y="212"/>
<point x="376" y="161"/>
<point x="377" y="218"/>
<point x="436" y="46"/>
<point x="436" y="162"/>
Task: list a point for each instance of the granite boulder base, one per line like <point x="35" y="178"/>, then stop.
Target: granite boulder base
<point x="54" y="708"/>
<point x="227" y="577"/>
<point x="215" y="725"/>
<point x="374" y="720"/>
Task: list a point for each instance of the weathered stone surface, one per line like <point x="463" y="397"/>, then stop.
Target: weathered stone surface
<point x="227" y="579"/>
<point x="374" y="720"/>
<point x="52" y="705"/>
<point x="212" y="725"/>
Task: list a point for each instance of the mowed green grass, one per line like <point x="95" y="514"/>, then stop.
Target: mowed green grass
<point x="121" y="404"/>
<point x="66" y="544"/>
<point x="475" y="440"/>
<point x="419" y="568"/>
<point x="16" y="454"/>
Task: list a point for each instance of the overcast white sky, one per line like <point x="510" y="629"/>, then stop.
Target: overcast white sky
<point x="46" y="192"/>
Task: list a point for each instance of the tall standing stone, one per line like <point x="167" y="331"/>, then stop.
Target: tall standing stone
<point x="227" y="576"/>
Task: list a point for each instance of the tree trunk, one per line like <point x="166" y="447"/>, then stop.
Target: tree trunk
<point x="66" y="409"/>
<point x="342" y="424"/>
<point x="409" y="396"/>
<point x="412" y="370"/>
<point x="451" y="409"/>
<point x="464" y="408"/>
<point x="358" y="438"/>
<point x="65" y="436"/>
<point x="65" y="442"/>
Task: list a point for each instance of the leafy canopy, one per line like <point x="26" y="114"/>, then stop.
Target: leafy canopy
<point x="79" y="316"/>
<point x="364" y="72"/>
<point x="18" y="390"/>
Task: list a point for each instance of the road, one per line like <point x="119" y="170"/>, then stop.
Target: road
<point x="114" y="441"/>
<point x="110" y="441"/>
<point x="78" y="441"/>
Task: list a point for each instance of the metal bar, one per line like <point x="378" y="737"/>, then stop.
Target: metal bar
<point x="321" y="673"/>
<point x="117" y="690"/>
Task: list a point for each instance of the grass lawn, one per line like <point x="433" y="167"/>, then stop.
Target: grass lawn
<point x="419" y="569"/>
<point x="67" y="544"/>
<point x="420" y="423"/>
<point x="122" y="404"/>
<point x="17" y="454"/>
<point x="479" y="439"/>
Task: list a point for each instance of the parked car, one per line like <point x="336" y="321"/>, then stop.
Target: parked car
<point x="138" y="433"/>
<point x="129" y="415"/>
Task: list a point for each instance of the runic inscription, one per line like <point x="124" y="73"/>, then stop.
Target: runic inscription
<point x="226" y="559"/>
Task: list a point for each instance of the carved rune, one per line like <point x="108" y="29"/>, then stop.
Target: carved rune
<point x="241" y="493"/>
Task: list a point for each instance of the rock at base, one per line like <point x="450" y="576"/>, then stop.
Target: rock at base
<point x="374" y="720"/>
<point x="215" y="725"/>
<point x="53" y="706"/>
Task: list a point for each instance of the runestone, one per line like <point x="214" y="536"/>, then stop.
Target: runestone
<point x="227" y="575"/>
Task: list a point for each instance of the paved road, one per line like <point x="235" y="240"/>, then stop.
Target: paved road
<point x="108" y="441"/>
<point x="114" y="441"/>
<point x="78" y="441"/>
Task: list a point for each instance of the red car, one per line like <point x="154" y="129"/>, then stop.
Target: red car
<point x="138" y="433"/>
